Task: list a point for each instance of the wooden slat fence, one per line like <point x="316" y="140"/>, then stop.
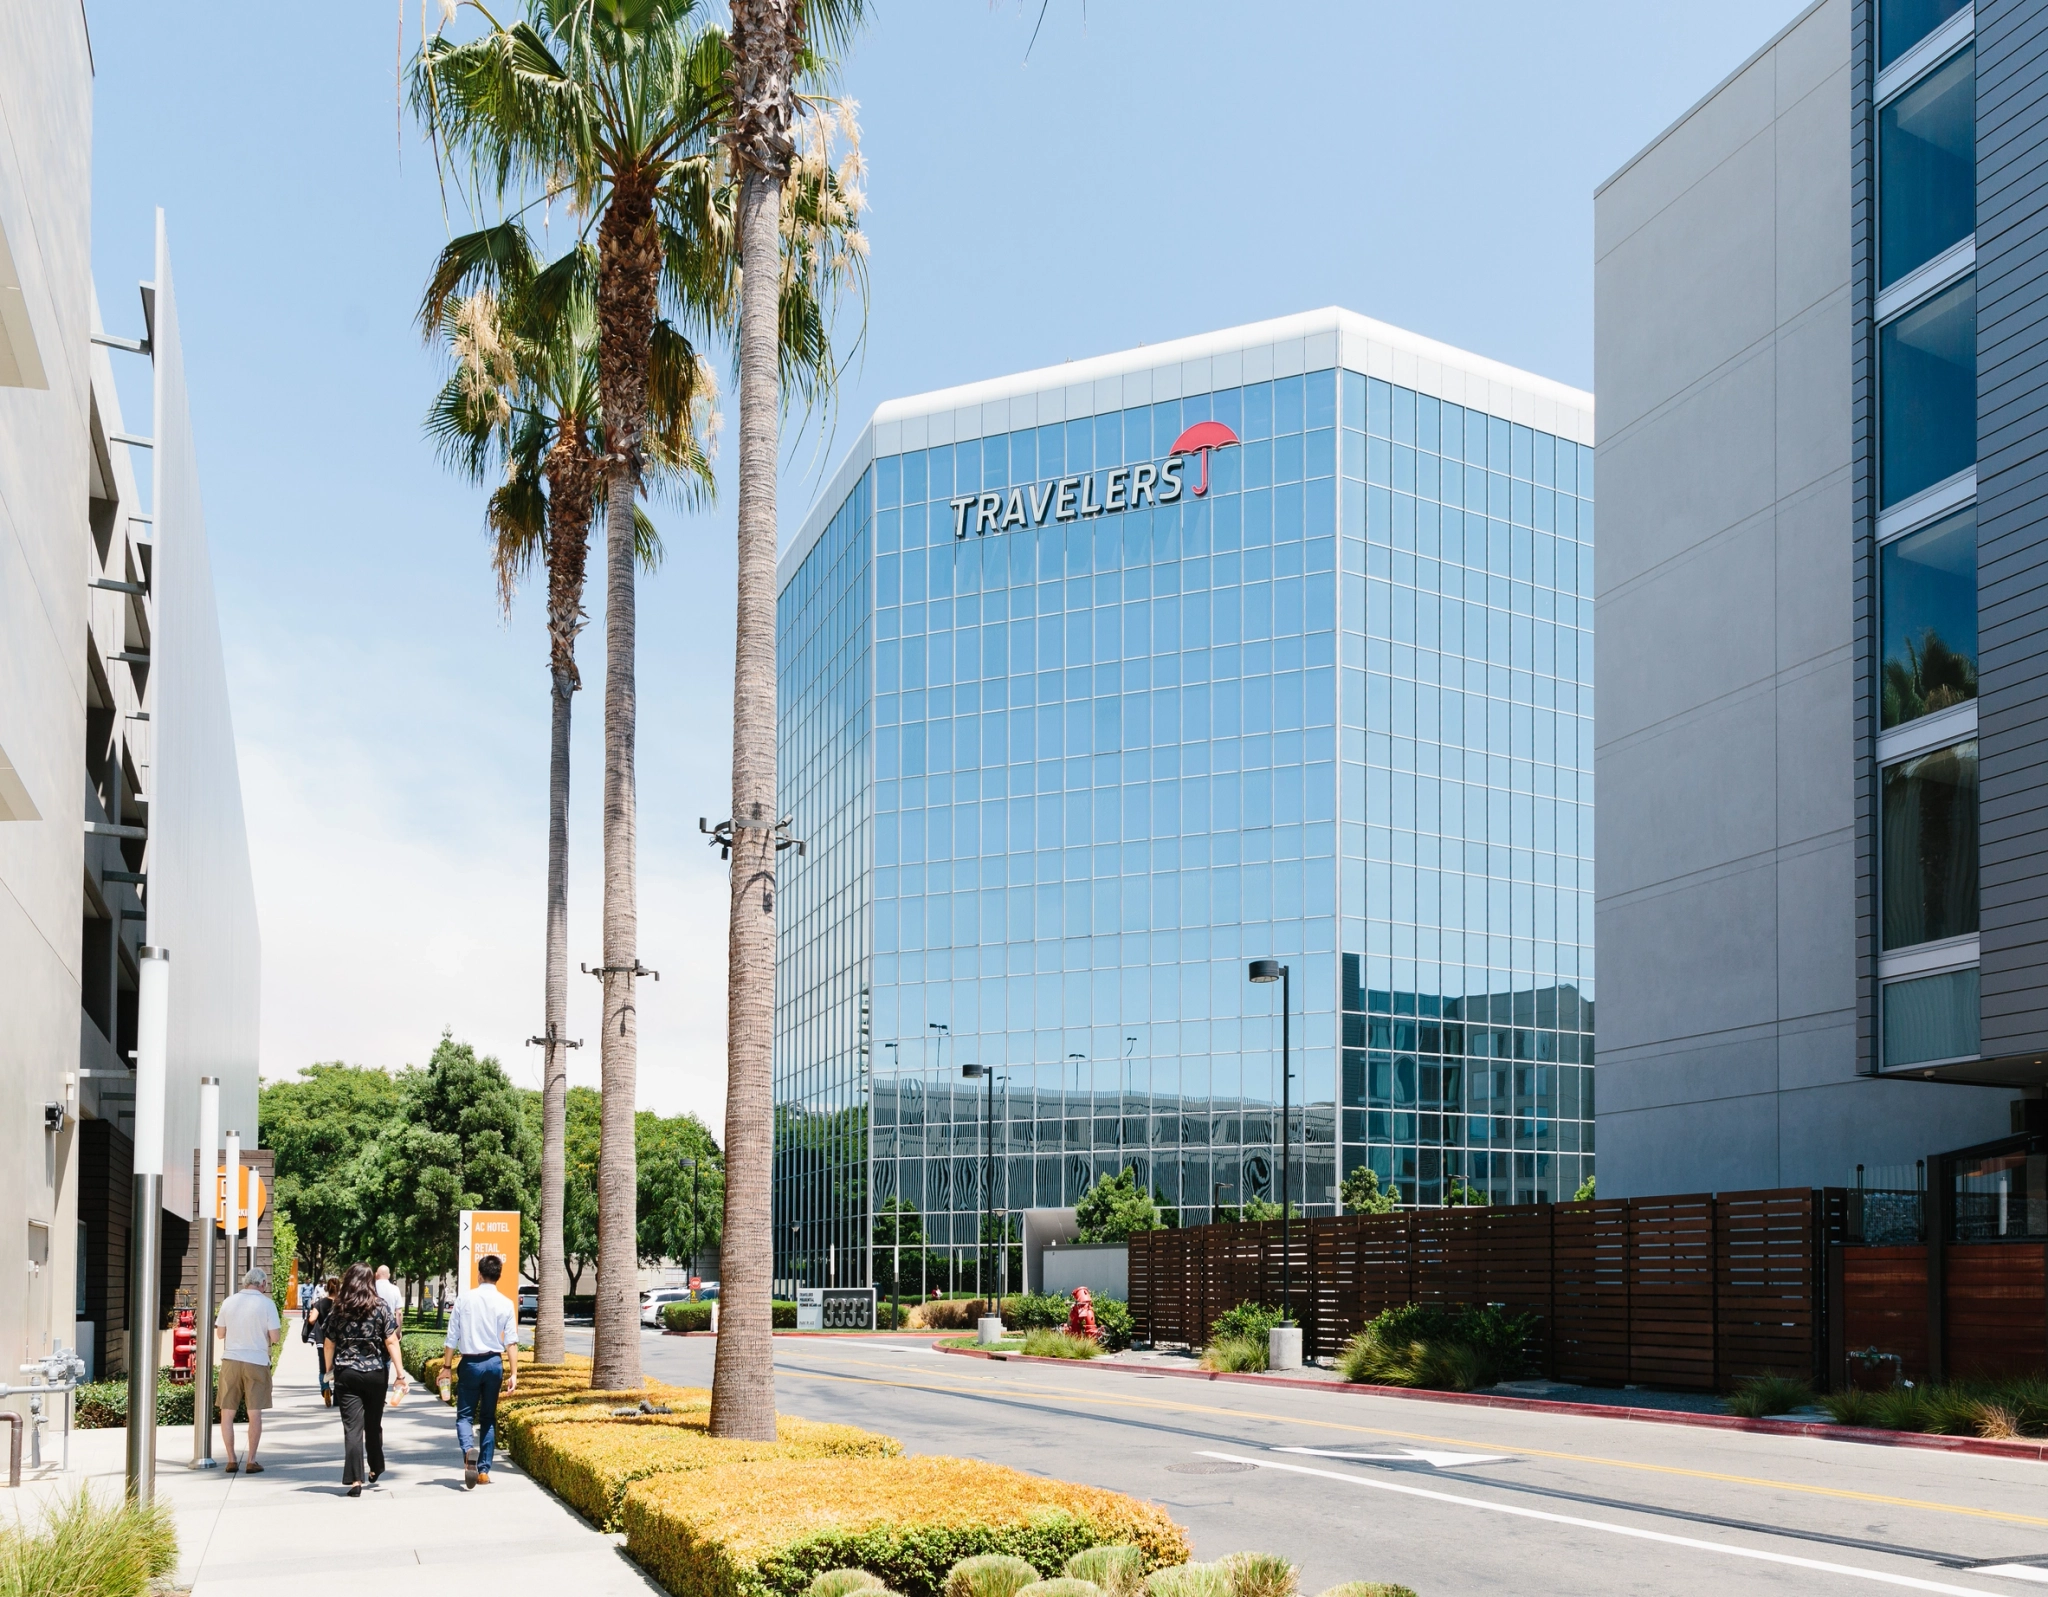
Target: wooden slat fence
<point x="1693" y="1291"/>
<point x="1995" y="1309"/>
<point x="1884" y="1305"/>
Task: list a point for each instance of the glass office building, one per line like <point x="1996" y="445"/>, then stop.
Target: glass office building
<point x="1100" y="681"/>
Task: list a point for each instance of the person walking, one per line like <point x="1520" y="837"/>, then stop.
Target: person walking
<point x="314" y="1331"/>
<point x="247" y="1325"/>
<point x="483" y="1334"/>
<point x="393" y="1299"/>
<point x="361" y="1345"/>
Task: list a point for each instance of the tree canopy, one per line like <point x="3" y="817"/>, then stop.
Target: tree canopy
<point x="1361" y="1193"/>
<point x="315" y="1125"/>
<point x="1115" y="1207"/>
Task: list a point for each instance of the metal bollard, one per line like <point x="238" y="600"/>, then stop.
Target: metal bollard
<point x="13" y="1446"/>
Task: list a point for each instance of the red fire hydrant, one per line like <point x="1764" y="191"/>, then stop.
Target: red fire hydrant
<point x="184" y="1345"/>
<point x="1081" y="1317"/>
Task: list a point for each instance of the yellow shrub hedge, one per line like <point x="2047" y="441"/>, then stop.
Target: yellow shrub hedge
<point x="767" y="1529"/>
<point x="590" y="1464"/>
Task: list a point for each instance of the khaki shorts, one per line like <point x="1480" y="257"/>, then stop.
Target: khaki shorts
<point x="242" y="1387"/>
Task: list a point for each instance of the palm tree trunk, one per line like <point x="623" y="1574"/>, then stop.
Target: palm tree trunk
<point x="743" y="1385"/>
<point x="548" y="1346"/>
<point x="628" y="275"/>
<point x="570" y="474"/>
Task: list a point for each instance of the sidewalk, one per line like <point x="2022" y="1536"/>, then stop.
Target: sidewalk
<point x="251" y="1536"/>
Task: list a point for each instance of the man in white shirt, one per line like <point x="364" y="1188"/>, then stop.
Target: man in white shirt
<point x="483" y="1334"/>
<point x="394" y="1300"/>
<point x="248" y="1326"/>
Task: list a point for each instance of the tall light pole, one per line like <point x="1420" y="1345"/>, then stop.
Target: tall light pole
<point x="988" y="1170"/>
<point x="202" y="1393"/>
<point x="1262" y="971"/>
<point x="152" y="1041"/>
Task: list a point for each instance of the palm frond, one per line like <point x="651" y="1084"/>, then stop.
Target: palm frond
<point x="498" y="258"/>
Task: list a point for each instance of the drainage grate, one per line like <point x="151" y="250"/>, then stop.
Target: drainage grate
<point x="1210" y="1466"/>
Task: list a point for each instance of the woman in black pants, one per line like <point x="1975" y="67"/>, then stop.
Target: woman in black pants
<point x="361" y="1343"/>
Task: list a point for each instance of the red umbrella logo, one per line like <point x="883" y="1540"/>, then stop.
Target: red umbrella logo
<point x="1199" y="440"/>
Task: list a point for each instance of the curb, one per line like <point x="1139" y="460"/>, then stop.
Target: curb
<point x="2034" y="1449"/>
<point x="832" y="1335"/>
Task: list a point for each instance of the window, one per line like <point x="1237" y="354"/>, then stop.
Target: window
<point x="1928" y="605"/>
<point x="1927" y="407"/>
<point x="1901" y="24"/>
<point x="1931" y="1017"/>
<point x="1927" y="168"/>
<point x="1930" y="846"/>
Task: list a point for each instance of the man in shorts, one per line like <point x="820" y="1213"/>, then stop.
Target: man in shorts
<point x="248" y="1324"/>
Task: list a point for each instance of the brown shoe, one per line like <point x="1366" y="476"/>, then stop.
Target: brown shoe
<point x="483" y="1477"/>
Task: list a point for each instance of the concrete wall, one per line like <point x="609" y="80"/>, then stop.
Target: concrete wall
<point x="45" y="167"/>
<point x="1103" y="1268"/>
<point x="1725" y="899"/>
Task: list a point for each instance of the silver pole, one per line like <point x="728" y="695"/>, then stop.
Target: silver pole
<point x="152" y="1036"/>
<point x="233" y="1210"/>
<point x="209" y="1258"/>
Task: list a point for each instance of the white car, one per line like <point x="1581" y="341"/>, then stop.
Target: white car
<point x="651" y="1302"/>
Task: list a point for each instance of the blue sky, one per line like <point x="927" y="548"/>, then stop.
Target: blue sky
<point x="1151" y="171"/>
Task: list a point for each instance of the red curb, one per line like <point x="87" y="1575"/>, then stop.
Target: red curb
<point x="839" y="1335"/>
<point x="2033" y="1448"/>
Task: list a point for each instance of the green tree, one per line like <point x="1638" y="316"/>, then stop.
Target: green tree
<point x="1115" y="1207"/>
<point x="316" y="1124"/>
<point x="1459" y="1194"/>
<point x="1361" y="1193"/>
<point x="680" y="1207"/>
<point x="1586" y="1191"/>
<point x="461" y="1142"/>
<point x="580" y="1134"/>
<point x="1252" y="1211"/>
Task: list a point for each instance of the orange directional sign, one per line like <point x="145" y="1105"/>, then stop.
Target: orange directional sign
<point x="255" y="1197"/>
<point x="490" y="1231"/>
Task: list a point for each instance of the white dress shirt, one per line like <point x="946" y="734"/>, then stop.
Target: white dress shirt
<point x="484" y="1322"/>
<point x="394" y="1300"/>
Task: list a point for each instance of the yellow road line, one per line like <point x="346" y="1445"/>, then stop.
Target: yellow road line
<point x="1170" y="1405"/>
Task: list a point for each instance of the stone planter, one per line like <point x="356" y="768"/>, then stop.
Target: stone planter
<point x="1283" y="1347"/>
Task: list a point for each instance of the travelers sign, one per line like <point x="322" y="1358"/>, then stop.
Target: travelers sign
<point x="1092" y="493"/>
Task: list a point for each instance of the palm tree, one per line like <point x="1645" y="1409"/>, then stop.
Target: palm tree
<point x="613" y="103"/>
<point x="610" y="101"/>
<point x="773" y="45"/>
<point x="524" y="393"/>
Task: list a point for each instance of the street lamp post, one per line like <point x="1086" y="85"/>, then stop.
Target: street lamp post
<point x="988" y="1171"/>
<point x="1262" y="971"/>
<point x="696" y="1197"/>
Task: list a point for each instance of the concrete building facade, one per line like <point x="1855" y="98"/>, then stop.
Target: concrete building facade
<point x="1799" y="399"/>
<point x="120" y="801"/>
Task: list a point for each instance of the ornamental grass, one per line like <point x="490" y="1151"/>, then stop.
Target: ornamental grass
<point x="589" y="1460"/>
<point x="89" y="1546"/>
<point x="1119" y="1571"/>
<point x="768" y="1529"/>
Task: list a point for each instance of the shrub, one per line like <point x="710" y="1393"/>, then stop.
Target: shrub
<point x="1188" y="1580"/>
<point x="1367" y="1588"/>
<point x="1036" y="1311"/>
<point x="590" y="1461"/>
<point x="1261" y="1575"/>
<point x="783" y="1317"/>
<point x="841" y="1582"/>
<point x="89" y="1547"/>
<point x="1119" y="1570"/>
<point x="1850" y="1407"/>
<point x="1439" y="1345"/>
<point x="1759" y="1396"/>
<point x="1061" y="1345"/>
<point x="1236" y="1353"/>
<point x="1115" y="1207"/>
<point x="1061" y="1586"/>
<point x="103" y="1405"/>
<point x="1114" y="1327"/>
<point x="989" y="1575"/>
<point x="948" y="1314"/>
<point x="768" y="1529"/>
<point x="686" y="1316"/>
<point x="1252" y="1320"/>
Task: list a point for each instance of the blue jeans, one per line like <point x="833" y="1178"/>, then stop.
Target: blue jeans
<point x="476" y="1405"/>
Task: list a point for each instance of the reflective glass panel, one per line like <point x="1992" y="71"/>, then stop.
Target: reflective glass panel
<point x="1929" y="618"/>
<point x="1931" y="1017"/>
<point x="1927" y="167"/>
<point x="1927" y="365"/>
<point x="2001" y="1197"/>
<point x="1901" y="24"/>
<point x="1930" y="846"/>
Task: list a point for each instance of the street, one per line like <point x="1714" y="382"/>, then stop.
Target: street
<point x="1442" y="1498"/>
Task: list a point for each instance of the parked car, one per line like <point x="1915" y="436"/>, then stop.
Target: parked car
<point x="651" y="1302"/>
<point x="529" y="1303"/>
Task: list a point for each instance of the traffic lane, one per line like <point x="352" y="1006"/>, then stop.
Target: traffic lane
<point x="1619" y="1498"/>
